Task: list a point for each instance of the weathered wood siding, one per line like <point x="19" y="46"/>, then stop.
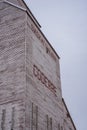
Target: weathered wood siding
<point x="12" y="67"/>
<point x="30" y="84"/>
<point x="49" y="102"/>
<point x="12" y="116"/>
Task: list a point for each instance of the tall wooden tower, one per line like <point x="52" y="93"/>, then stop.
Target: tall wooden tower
<point x="30" y="86"/>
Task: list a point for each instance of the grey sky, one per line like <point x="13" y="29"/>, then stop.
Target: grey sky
<point x="64" y="23"/>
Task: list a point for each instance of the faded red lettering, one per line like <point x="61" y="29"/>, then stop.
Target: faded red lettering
<point x="35" y="71"/>
<point x="46" y="81"/>
<point x="43" y="79"/>
<point x="39" y="74"/>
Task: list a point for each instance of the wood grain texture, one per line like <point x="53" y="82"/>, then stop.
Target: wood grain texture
<point x="26" y="103"/>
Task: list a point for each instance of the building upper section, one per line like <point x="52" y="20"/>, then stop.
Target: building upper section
<point x="22" y="5"/>
<point x="42" y="52"/>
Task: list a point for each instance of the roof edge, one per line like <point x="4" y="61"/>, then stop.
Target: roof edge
<point x="21" y="8"/>
<point x="31" y="14"/>
<point x="5" y="1"/>
<point x="25" y="9"/>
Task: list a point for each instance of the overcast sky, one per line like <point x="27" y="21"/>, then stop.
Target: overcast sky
<point x="64" y="23"/>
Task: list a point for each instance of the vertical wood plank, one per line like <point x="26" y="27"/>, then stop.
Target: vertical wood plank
<point x="50" y="123"/>
<point x="36" y="117"/>
<point x="32" y="118"/>
<point x="12" y="119"/>
<point x="3" y="119"/>
<point x="47" y="118"/>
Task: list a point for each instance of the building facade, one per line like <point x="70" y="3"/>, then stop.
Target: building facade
<point x="30" y="84"/>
